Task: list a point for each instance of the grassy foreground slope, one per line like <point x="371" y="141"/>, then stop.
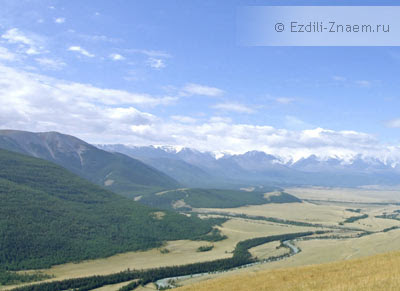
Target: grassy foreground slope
<point x="213" y="198"/>
<point x="50" y="216"/>
<point x="379" y="272"/>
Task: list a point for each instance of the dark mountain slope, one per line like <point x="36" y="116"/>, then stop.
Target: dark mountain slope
<point x="50" y="216"/>
<point x="168" y="162"/>
<point x="115" y="171"/>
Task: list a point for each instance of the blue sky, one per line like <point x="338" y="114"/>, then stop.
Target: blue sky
<point x="171" y="72"/>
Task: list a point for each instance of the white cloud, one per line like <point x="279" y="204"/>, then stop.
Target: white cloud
<point x="30" y="45"/>
<point x="99" y="115"/>
<point x="51" y="64"/>
<point x="155" y="59"/>
<point x="284" y="100"/>
<point x="59" y="20"/>
<point x="81" y="51"/>
<point x="117" y="57"/>
<point x="234" y="107"/>
<point x="339" y="78"/>
<point x="219" y="119"/>
<point x="363" y="83"/>
<point x="293" y="122"/>
<point x="184" y="119"/>
<point x="6" y="55"/>
<point x="109" y="96"/>
<point x="223" y="136"/>
<point x="196" y="89"/>
<point x="360" y="83"/>
<point x="150" y="53"/>
<point x="156" y="63"/>
<point x="39" y="103"/>
<point x="94" y="37"/>
<point x="13" y="35"/>
<point x="394" y="123"/>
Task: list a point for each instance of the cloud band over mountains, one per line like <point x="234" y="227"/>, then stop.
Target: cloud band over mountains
<point x="35" y="102"/>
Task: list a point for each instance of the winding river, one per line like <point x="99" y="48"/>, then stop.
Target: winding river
<point x="170" y="282"/>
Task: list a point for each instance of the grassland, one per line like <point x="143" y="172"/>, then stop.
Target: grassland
<point x="180" y="251"/>
<point x="325" y="211"/>
<point x="369" y="195"/>
<point x="378" y="272"/>
<point x="306" y="212"/>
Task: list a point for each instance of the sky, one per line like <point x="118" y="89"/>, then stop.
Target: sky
<point x="173" y="73"/>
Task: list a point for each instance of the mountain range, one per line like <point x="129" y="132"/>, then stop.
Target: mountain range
<point x="138" y="170"/>
<point x="193" y="168"/>
<point x="114" y="171"/>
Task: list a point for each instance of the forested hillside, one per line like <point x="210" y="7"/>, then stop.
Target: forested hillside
<point x="114" y="171"/>
<point x="50" y="216"/>
<point x="213" y="198"/>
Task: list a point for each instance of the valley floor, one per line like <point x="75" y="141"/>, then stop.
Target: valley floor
<point x="325" y="213"/>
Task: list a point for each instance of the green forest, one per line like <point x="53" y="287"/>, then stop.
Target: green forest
<point x="50" y="216"/>
<point x="212" y="198"/>
<point x="241" y="256"/>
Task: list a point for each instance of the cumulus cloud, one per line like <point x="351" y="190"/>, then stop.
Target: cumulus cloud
<point x="150" y="53"/>
<point x="13" y="35"/>
<point x="284" y="100"/>
<point x="234" y="107"/>
<point x="221" y="136"/>
<point x="154" y="59"/>
<point x="35" y="102"/>
<point x="394" y="123"/>
<point x="117" y="57"/>
<point x="81" y="51"/>
<point x="59" y="20"/>
<point x="28" y="44"/>
<point x="219" y="119"/>
<point x="6" y="55"/>
<point x="50" y="64"/>
<point x="156" y="63"/>
<point x="339" y="78"/>
<point x="184" y="119"/>
<point x="39" y="103"/>
<point x="197" y="89"/>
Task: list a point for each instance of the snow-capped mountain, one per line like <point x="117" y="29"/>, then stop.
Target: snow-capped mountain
<point x="194" y="168"/>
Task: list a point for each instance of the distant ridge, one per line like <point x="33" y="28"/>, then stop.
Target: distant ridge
<point x="115" y="171"/>
<point x="193" y="168"/>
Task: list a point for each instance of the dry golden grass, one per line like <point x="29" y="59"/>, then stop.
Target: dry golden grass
<point x="380" y="272"/>
<point x="158" y="215"/>
<point x="181" y="251"/>
<point x="345" y="194"/>
<point x="307" y="212"/>
<point x="268" y="250"/>
<point x="113" y="287"/>
<point x="320" y="251"/>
